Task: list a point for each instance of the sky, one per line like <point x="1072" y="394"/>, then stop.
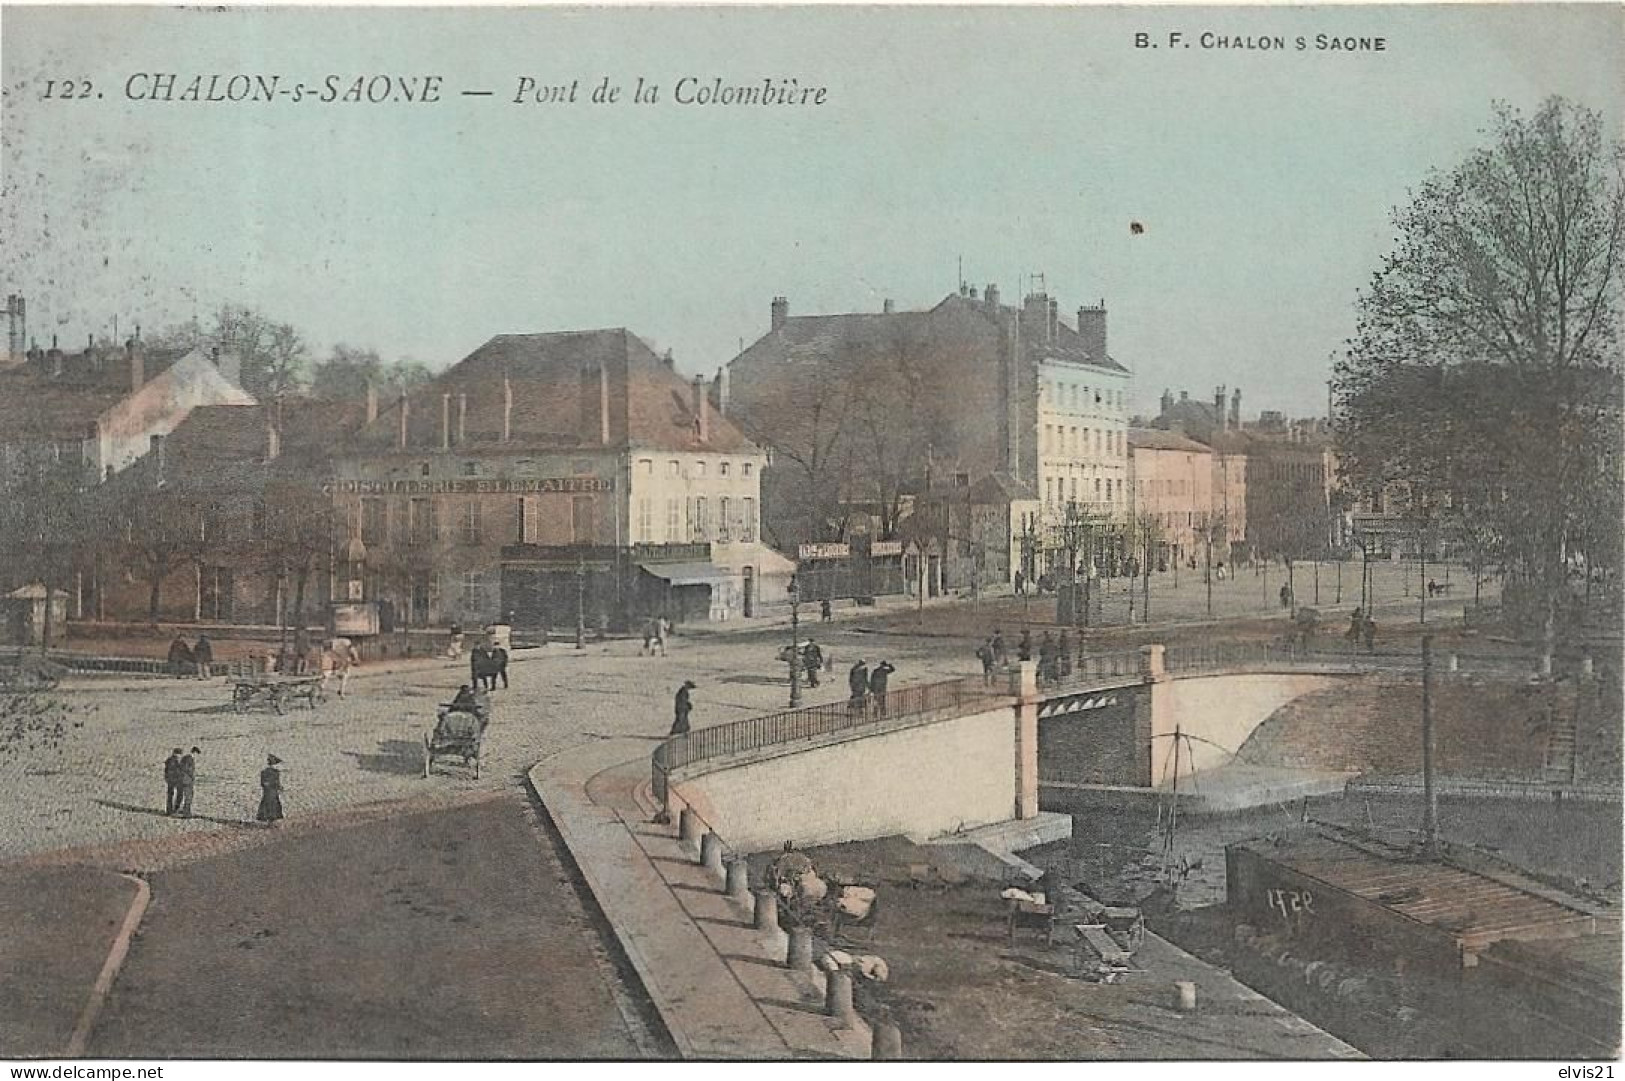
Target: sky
<point x="1011" y="142"/>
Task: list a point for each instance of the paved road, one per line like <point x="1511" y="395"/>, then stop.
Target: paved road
<point x="104" y="784"/>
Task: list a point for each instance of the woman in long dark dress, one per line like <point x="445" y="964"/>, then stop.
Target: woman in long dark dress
<point x="270" y="811"/>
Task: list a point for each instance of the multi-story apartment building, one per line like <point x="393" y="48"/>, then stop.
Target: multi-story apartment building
<point x="561" y="476"/>
<point x="1171" y="478"/>
<point x="874" y="417"/>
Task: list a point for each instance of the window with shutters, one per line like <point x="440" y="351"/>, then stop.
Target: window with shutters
<point x="421" y="521"/>
<point x="581" y="531"/>
<point x="470" y="523"/>
<point x="724" y="533"/>
<point x="374" y="521"/>
<point x="747" y="528"/>
<point x="702" y="522"/>
<point x="646" y="524"/>
<point x="530" y="519"/>
<point x="674" y="524"/>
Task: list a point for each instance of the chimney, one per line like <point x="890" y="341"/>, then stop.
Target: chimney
<point x="17" y="323"/>
<point x="781" y="312"/>
<point x="372" y="402"/>
<point x="702" y="423"/>
<point x="405" y="414"/>
<point x="462" y="417"/>
<point x="1054" y="319"/>
<point x="669" y="359"/>
<point x="887" y="307"/>
<point x="157" y="451"/>
<point x="135" y="364"/>
<point x="972" y="294"/>
<point x="991" y="296"/>
<point x="445" y="420"/>
<point x="507" y="407"/>
<point x="1184" y="395"/>
<point x="1035" y="317"/>
<point x="1092" y="329"/>
<point x="53" y="358"/>
<point x="1219" y="415"/>
<point x="603" y="405"/>
<point x="1167" y="401"/>
<point x="719" y="391"/>
<point x="1235" y="409"/>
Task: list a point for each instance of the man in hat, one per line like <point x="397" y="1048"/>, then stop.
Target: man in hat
<point x="682" y="707"/>
<point x="172" y="781"/>
<point x="188" y="780"/>
<point x="857" y="686"/>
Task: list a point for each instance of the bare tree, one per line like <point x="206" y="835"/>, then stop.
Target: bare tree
<point x="1483" y="368"/>
<point x="161" y="531"/>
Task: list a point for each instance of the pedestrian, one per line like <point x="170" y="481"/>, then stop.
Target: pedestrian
<point x="188" y="773"/>
<point x="1370" y="635"/>
<point x="1024" y="648"/>
<point x="499" y="665"/>
<point x="1021" y="584"/>
<point x="203" y="656"/>
<point x="648" y="637"/>
<point x="172" y="781"/>
<point x="879" y="679"/>
<point x="270" y="809"/>
<point x="479" y="664"/>
<point x="1063" y="656"/>
<point x="857" y="685"/>
<point x="301" y="652"/>
<point x="812" y="662"/>
<point x="1046" y="659"/>
<point x="180" y="657"/>
<point x="662" y="634"/>
<point x="825" y="615"/>
<point x="682" y="707"/>
<point x="1000" y="654"/>
<point x="984" y="653"/>
<point x="1286" y="597"/>
<point x="1356" y="626"/>
<point x="345" y="657"/>
<point x="454" y="646"/>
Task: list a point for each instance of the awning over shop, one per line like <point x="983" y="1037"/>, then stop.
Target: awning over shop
<point x="688" y="574"/>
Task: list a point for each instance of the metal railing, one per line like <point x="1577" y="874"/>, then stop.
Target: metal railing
<point x="947" y="699"/>
<point x="1092" y="669"/>
<point x="1230" y="656"/>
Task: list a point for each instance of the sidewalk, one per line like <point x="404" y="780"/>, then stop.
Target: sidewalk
<point x="719" y="985"/>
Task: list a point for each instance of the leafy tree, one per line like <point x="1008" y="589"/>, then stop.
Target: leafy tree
<point x="162" y="531"/>
<point x="1482" y="375"/>
<point x="44" y="528"/>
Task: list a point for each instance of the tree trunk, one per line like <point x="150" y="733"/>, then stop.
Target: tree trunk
<point x="155" y="588"/>
<point x="300" y="578"/>
<point x="45" y="635"/>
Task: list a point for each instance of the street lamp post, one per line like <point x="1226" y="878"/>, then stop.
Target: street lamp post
<point x="795" y="642"/>
<point x="581" y="602"/>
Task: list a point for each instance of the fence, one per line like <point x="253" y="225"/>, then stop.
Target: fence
<point x="1230" y="656"/>
<point x="948" y="699"/>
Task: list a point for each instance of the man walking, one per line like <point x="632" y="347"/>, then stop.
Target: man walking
<point x="345" y="658"/>
<point x="1024" y="648"/>
<point x="812" y="661"/>
<point x="857" y="685"/>
<point x="996" y="643"/>
<point x="682" y="707"/>
<point x="984" y="653"/>
<point x="879" y="678"/>
<point x="499" y="664"/>
<point x="203" y="656"/>
<point x="188" y="780"/>
<point x="662" y="633"/>
<point x="172" y="782"/>
<point x="479" y="665"/>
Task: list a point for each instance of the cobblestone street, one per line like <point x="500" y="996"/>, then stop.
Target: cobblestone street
<point x="104" y="784"/>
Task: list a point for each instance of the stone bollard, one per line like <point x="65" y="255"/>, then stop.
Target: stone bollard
<point x="886" y="1041"/>
<point x="1187" y="996"/>
<point x="798" y="951"/>
<point x="738" y="882"/>
<point x="767" y="911"/>
<point x="838" y="998"/>
<point x="688" y="827"/>
<point x="711" y="853"/>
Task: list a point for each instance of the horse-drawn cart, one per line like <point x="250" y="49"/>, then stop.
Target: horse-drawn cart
<point x="276" y="691"/>
<point x="458" y="733"/>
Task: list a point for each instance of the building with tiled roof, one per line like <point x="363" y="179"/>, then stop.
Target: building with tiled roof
<point x="556" y="476"/>
<point x="103" y="406"/>
<point x="875" y="409"/>
<point x="1171" y="485"/>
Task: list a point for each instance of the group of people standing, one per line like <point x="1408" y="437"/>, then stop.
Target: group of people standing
<point x="180" y="782"/>
<point x="486" y="664"/>
<point x="1362" y="628"/>
<point x="867" y="687"/>
<point x="1055" y="656"/>
<point x="656" y="632"/>
<point x="185" y="660"/>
